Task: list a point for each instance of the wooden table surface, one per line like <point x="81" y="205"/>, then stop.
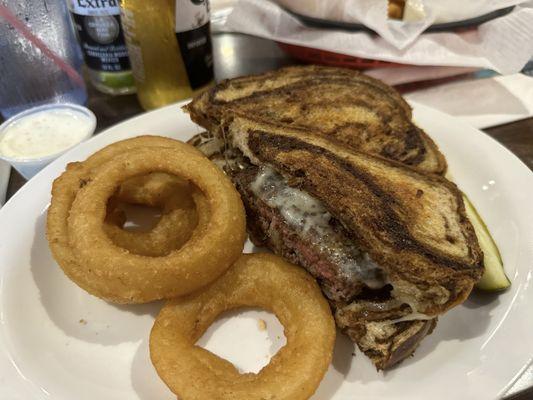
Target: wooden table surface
<point x="237" y="54"/>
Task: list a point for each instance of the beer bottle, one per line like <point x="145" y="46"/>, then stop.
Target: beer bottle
<point x="170" y="49"/>
<point x="97" y="23"/>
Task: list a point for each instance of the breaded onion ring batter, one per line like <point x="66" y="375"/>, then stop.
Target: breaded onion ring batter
<point x="258" y="280"/>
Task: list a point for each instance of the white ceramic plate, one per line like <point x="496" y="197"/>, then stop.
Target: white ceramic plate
<point x="58" y="342"/>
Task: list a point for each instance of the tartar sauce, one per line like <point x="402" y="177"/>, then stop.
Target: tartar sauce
<point x="44" y="133"/>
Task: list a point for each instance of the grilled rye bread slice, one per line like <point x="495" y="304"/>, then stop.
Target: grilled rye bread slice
<point x="384" y="329"/>
<point x="344" y="105"/>
<point x="412" y="225"/>
<point x="368" y="320"/>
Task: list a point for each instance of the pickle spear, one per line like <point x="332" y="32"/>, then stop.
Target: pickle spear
<point x="494" y="278"/>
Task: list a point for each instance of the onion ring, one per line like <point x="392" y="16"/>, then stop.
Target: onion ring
<point x="120" y="276"/>
<point x="178" y="216"/>
<point x="258" y="280"/>
<point x="170" y="233"/>
<point x="64" y="191"/>
<point x="155" y="189"/>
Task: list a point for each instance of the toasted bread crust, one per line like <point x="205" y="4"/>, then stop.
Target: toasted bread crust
<point x="412" y="224"/>
<point x="344" y="105"/>
<point x="398" y="342"/>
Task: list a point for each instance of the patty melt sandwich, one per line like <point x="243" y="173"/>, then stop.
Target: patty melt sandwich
<point x="336" y="178"/>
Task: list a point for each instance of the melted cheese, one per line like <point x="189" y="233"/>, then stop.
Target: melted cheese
<point x="298" y="208"/>
<point x="308" y="216"/>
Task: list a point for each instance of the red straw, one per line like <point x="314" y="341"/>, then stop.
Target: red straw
<point x="19" y="26"/>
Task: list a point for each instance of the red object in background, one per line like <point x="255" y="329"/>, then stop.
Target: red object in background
<point x="316" y="56"/>
<point x="324" y="57"/>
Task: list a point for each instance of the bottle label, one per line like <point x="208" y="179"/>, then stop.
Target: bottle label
<point x="194" y="40"/>
<point x="100" y="34"/>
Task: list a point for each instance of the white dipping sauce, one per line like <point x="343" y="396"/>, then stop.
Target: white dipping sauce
<point x="44" y="133"/>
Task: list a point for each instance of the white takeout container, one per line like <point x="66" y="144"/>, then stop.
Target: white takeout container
<point x="28" y="167"/>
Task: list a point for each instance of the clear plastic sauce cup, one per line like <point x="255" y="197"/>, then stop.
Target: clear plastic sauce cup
<point x="34" y="138"/>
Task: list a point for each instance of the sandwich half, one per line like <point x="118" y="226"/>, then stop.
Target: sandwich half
<point x="344" y="105"/>
<point x="391" y="247"/>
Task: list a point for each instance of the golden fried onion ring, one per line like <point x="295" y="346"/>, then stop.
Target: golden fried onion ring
<point x="258" y="280"/>
<point x="178" y="219"/>
<point x="64" y="191"/>
<point x="155" y="189"/>
<point x="120" y="276"/>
